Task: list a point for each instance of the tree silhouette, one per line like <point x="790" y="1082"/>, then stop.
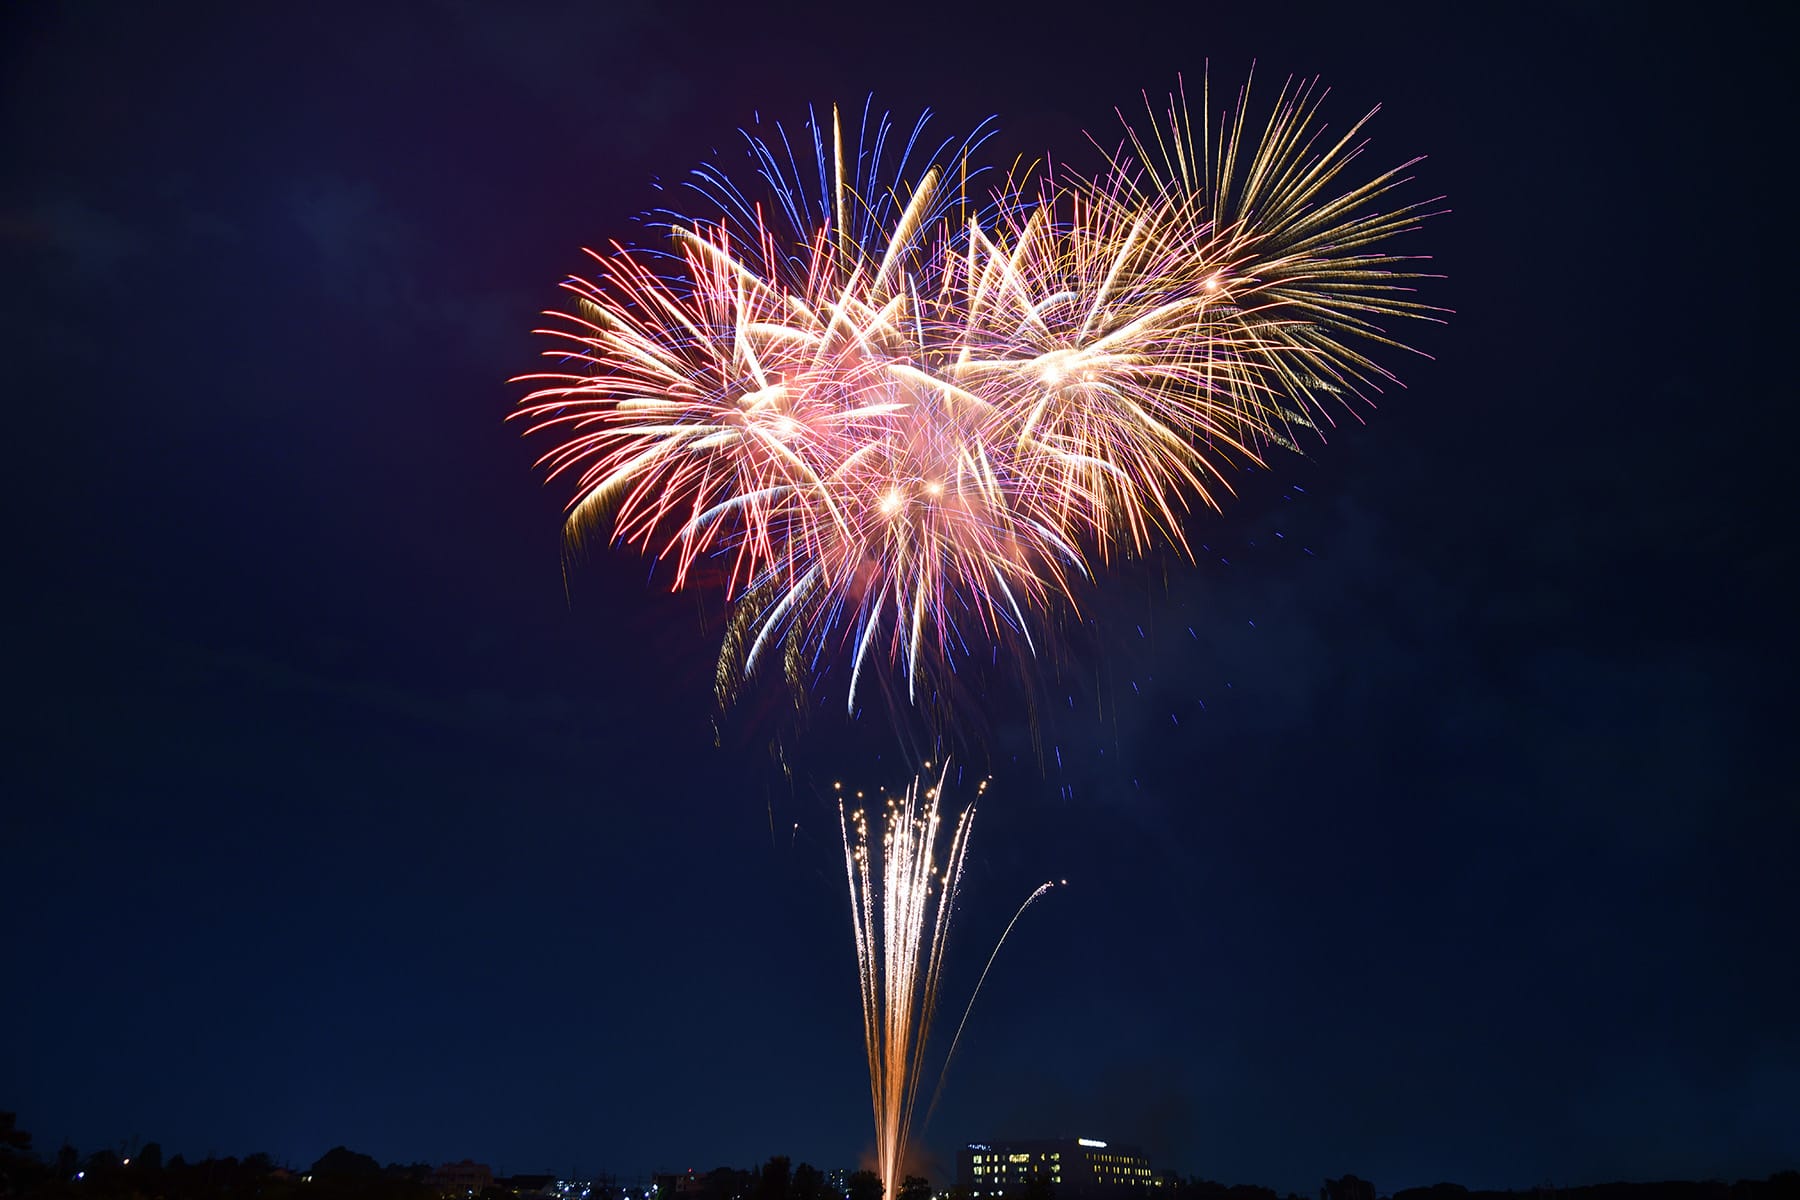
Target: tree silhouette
<point x="723" y="1183"/>
<point x="772" y="1183"/>
<point x="808" y="1183"/>
<point x="863" y="1185"/>
<point x="343" y="1162"/>
<point x="19" y="1169"/>
<point x="915" y="1187"/>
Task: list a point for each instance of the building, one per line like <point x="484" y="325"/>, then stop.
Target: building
<point x="1075" y="1169"/>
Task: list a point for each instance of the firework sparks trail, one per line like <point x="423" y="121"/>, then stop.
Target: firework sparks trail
<point x="901" y="903"/>
<point x="896" y="420"/>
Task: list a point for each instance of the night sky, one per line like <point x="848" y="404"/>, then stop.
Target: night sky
<point x="1448" y="835"/>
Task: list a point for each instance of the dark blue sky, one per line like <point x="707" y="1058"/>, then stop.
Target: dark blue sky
<point x="329" y="818"/>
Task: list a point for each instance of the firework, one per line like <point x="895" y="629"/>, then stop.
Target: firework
<point x="897" y="419"/>
<point x="1287" y="274"/>
<point x="901" y="904"/>
<point x="897" y="406"/>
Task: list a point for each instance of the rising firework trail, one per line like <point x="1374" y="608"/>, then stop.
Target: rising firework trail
<point x="1043" y="889"/>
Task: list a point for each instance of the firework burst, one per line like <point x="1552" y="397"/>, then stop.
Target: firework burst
<point x="897" y="420"/>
